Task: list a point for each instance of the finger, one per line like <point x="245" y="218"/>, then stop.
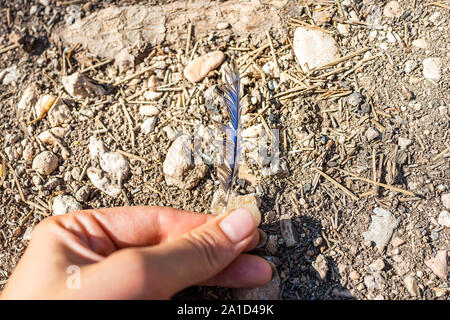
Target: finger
<point x="116" y="228"/>
<point x="204" y="252"/>
<point x="246" y="271"/>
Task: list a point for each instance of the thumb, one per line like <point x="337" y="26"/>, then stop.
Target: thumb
<point x="198" y="255"/>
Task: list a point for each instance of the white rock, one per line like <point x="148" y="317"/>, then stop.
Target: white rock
<point x="45" y="163"/>
<point x="148" y="125"/>
<point x="96" y="147"/>
<point x="63" y="204"/>
<point x="48" y="136"/>
<point x="404" y="142"/>
<point x="432" y="68"/>
<point x="223" y="25"/>
<point x="59" y="113"/>
<point x="444" y="219"/>
<point x="373" y="35"/>
<point x="271" y="69"/>
<point x="377" y="265"/>
<point x="438" y="264"/>
<point x="27" y="234"/>
<point x="253" y="131"/>
<point x="343" y="29"/>
<point x="148" y="110"/>
<point x="321" y="266"/>
<point x="382" y="227"/>
<point x="392" y="9"/>
<point x="411" y="285"/>
<point x="434" y="17"/>
<point x="372" y="134"/>
<point x="419" y="43"/>
<point x="446" y="200"/>
<point x="314" y="48"/>
<point x="152" y="95"/>
<point x="102" y="182"/>
<point x="391" y="38"/>
<point x="178" y="167"/>
<point x="116" y="165"/>
<point x="10" y="75"/>
<point x="410" y="65"/>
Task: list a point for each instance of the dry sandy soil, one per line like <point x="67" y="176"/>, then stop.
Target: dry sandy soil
<point x="373" y="114"/>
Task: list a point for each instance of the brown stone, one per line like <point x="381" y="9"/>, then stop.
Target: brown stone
<point x="199" y="68"/>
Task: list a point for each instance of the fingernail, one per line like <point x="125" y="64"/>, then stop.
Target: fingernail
<point x="262" y="239"/>
<point x="238" y="225"/>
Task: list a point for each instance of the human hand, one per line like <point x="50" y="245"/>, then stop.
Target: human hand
<point x="137" y="253"/>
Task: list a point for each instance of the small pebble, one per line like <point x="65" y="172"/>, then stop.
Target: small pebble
<point x="148" y="110"/>
<point x="288" y="231"/>
<point x="438" y="264"/>
<point x="419" y="43"/>
<point x="152" y="95"/>
<point x="272" y="244"/>
<point x="223" y="25"/>
<point x="392" y="9"/>
<point x="199" y="68"/>
<point x="446" y="200"/>
<point x="355" y="99"/>
<point x="410" y="65"/>
<point x="411" y="285"/>
<point x="432" y="68"/>
<point x="404" y="142"/>
<point x="63" y="204"/>
<point x="45" y="163"/>
<point x="354" y="275"/>
<point x="377" y="265"/>
<point x="83" y="194"/>
<point x="321" y="266"/>
<point x="372" y="134"/>
<point x="80" y="87"/>
<point x="397" y="242"/>
<point x="148" y="125"/>
<point x="444" y="219"/>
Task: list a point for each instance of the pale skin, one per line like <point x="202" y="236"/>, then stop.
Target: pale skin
<point x="137" y="253"/>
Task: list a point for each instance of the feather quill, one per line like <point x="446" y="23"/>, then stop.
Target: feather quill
<point x="228" y="170"/>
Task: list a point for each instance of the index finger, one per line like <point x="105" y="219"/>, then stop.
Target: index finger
<point x="133" y="226"/>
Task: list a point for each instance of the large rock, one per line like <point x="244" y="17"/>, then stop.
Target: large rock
<point x="314" y="48"/>
<point x="122" y="33"/>
<point x="179" y="168"/>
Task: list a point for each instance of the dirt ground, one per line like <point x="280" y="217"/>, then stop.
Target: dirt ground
<point x="329" y="128"/>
